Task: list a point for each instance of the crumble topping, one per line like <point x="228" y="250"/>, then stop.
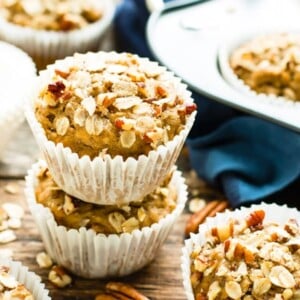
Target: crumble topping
<point x="53" y="15"/>
<point x="10" y="288"/>
<point x="111" y="103"/>
<point x="108" y="219"/>
<point x="270" y="64"/>
<point x="249" y="260"/>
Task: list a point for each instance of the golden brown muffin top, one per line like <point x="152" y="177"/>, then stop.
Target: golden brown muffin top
<point x="248" y="259"/>
<point x="56" y="15"/>
<point x="11" y="289"/>
<point x="111" y="103"/>
<point x="108" y="219"/>
<point x="270" y="64"/>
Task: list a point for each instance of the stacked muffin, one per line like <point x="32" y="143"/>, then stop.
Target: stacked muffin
<point x="111" y="127"/>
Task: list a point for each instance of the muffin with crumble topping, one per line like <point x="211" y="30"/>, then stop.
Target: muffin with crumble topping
<point x="106" y="240"/>
<point x="111" y="125"/>
<point x="52" y="29"/>
<point x="247" y="254"/>
<point x="18" y="283"/>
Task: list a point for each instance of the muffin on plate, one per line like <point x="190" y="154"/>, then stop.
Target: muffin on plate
<point x="102" y="241"/>
<point x="267" y="65"/>
<point x="17" y="75"/>
<point x="18" y="283"/>
<point x="53" y="29"/>
<point x="252" y="253"/>
<point x="111" y="125"/>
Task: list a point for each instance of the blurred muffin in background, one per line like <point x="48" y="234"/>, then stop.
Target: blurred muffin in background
<point x="270" y="65"/>
<point x="52" y="29"/>
<point x="17" y="75"/>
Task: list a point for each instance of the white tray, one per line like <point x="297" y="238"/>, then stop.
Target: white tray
<point x="187" y="40"/>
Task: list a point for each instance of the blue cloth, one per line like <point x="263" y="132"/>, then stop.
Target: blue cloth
<point x="249" y="158"/>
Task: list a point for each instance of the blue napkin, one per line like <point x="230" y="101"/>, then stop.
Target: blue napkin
<point x="249" y="158"/>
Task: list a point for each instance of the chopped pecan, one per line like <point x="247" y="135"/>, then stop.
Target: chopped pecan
<point x="56" y="88"/>
<point x="255" y="218"/>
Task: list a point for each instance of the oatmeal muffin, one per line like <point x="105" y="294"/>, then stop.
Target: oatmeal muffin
<point x="51" y="29"/>
<point x="17" y="283"/>
<point x="117" y="120"/>
<point x="109" y="103"/>
<point x="270" y="65"/>
<point x="105" y="241"/>
<point x="248" y="258"/>
<point x="107" y="219"/>
<point x="16" y="69"/>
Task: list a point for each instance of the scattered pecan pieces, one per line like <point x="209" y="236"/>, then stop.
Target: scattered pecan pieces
<point x="56" y="88"/>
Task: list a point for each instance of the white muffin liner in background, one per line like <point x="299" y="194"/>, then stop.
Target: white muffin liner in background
<point x="30" y="280"/>
<point x="47" y="46"/>
<point x="235" y="40"/>
<point x="274" y="213"/>
<point x="17" y="75"/>
<point x="92" y="255"/>
<point x="106" y="180"/>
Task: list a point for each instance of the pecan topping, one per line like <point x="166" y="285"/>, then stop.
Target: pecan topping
<point x="56" y="88"/>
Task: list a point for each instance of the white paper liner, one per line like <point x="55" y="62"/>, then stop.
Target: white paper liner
<point x="274" y="213"/>
<point x="234" y="41"/>
<point x="92" y="255"/>
<point x="17" y="73"/>
<point x="30" y="280"/>
<point x="46" y="46"/>
<point x="106" y="180"/>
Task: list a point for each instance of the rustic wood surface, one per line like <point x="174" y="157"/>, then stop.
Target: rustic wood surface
<point x="159" y="280"/>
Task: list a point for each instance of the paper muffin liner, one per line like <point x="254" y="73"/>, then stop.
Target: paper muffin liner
<point x="273" y="213"/>
<point x="47" y="46"/>
<point x="88" y="254"/>
<point x="17" y="74"/>
<point x="232" y="42"/>
<point x="30" y="280"/>
<point x="106" y="180"/>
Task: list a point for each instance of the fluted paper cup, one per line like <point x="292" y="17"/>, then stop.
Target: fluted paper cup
<point x="106" y="180"/>
<point x="17" y="74"/>
<point x="234" y="41"/>
<point x="92" y="255"/>
<point x="30" y="280"/>
<point x="273" y="213"/>
<point x="46" y="46"/>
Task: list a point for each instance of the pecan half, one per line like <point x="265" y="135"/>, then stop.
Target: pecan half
<point x="122" y="289"/>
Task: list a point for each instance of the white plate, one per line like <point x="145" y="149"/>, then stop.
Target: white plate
<point x="187" y="40"/>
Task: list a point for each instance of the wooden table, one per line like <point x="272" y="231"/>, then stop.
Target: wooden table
<point x="159" y="280"/>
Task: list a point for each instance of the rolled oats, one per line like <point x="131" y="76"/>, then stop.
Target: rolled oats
<point x="7" y="236"/>
<point x="44" y="260"/>
<point x="248" y="259"/>
<point x="62" y="125"/>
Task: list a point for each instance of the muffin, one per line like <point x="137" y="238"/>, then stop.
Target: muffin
<point x="266" y="65"/>
<point x="252" y="253"/>
<point x="18" y="283"/>
<point x="17" y="74"/>
<point x="53" y="29"/>
<point x="111" y="125"/>
<point x="102" y="241"/>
